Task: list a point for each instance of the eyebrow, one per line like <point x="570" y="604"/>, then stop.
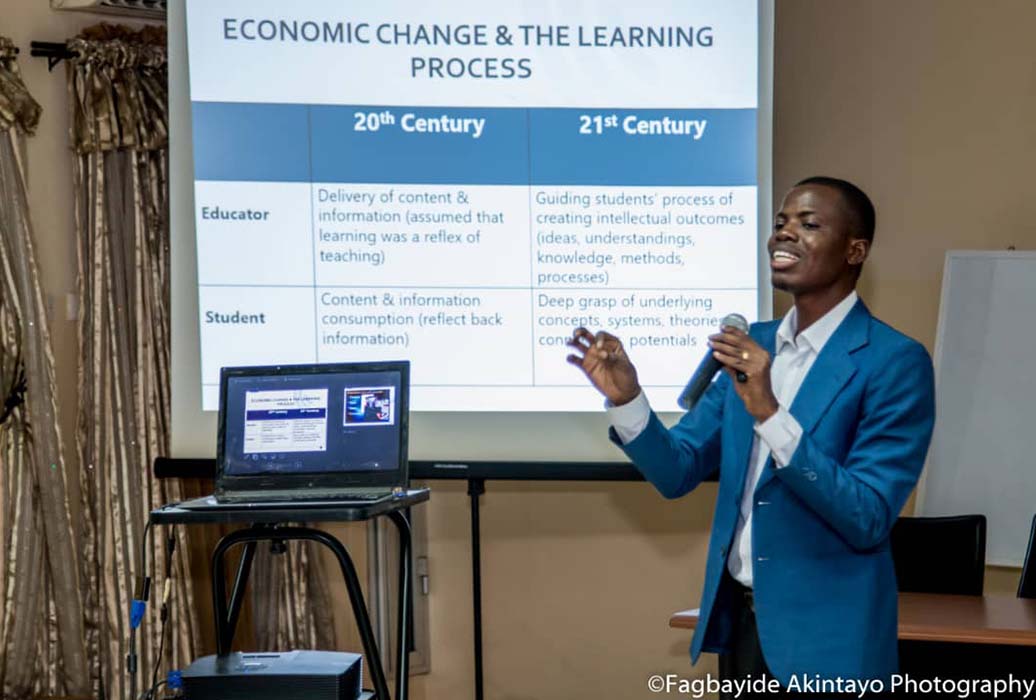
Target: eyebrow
<point x="800" y="214"/>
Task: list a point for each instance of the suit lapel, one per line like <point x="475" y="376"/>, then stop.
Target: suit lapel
<point x="831" y="371"/>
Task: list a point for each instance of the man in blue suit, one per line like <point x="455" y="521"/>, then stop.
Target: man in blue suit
<point x="817" y="451"/>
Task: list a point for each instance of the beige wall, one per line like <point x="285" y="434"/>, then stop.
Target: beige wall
<point x="929" y="105"/>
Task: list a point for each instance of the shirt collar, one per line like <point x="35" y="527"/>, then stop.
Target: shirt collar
<point x="817" y="335"/>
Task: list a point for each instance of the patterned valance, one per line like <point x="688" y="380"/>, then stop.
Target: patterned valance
<point x="118" y="78"/>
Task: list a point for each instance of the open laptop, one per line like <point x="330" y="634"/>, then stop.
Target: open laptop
<point x="316" y="435"/>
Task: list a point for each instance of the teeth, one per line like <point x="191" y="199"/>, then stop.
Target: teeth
<point x="781" y="255"/>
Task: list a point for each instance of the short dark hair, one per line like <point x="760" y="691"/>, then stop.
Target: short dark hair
<point x="857" y="203"/>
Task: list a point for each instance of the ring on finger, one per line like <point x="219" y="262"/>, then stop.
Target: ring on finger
<point x="744" y="355"/>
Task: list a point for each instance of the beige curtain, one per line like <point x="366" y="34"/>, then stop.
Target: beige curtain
<point x="118" y="91"/>
<point x="42" y="626"/>
<point x="291" y="601"/>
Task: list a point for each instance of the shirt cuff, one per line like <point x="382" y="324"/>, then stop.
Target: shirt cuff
<point x="781" y="433"/>
<point x="629" y="419"/>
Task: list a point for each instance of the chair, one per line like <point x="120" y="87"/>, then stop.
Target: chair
<point x="1027" y="584"/>
<point x="940" y="555"/>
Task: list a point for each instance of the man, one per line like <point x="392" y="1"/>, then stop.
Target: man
<point x="817" y="450"/>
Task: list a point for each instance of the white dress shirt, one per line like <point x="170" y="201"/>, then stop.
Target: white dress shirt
<point x="777" y="436"/>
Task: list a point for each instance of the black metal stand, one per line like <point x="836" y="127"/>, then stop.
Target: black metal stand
<point x="227" y="612"/>
<point x="476" y="487"/>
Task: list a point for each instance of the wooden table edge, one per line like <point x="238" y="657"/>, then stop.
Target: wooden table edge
<point x="688" y="620"/>
<point x="684" y="619"/>
<point x="961" y="635"/>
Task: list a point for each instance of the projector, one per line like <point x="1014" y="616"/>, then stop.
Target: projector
<point x="293" y="675"/>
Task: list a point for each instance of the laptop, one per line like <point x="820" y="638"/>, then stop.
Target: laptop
<point x="319" y="435"/>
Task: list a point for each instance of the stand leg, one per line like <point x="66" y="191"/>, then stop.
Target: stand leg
<point x="226" y="618"/>
<point x="405" y="612"/>
<point x="359" y="606"/>
<point x="237" y="595"/>
<point x="476" y="487"/>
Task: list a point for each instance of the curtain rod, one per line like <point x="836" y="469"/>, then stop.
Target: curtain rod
<point x="54" y="52"/>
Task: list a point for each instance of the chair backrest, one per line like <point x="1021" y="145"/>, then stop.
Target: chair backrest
<point x="940" y="555"/>
<point x="1027" y="585"/>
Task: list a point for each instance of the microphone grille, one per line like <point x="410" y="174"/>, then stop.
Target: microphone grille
<point x="735" y="321"/>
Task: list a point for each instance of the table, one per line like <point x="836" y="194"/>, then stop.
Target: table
<point x="267" y="524"/>
<point x="929" y="617"/>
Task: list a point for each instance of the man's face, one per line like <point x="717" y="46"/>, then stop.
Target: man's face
<point x="812" y="247"/>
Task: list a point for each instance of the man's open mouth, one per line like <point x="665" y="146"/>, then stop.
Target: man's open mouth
<point x="783" y="259"/>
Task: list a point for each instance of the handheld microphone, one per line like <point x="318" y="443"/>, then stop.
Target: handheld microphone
<point x="702" y="377"/>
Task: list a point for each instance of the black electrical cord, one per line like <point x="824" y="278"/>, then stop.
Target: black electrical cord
<point x="155" y="683"/>
<point x="143" y="593"/>
<point x="163" y="616"/>
<point x="154" y="689"/>
<point x="143" y="548"/>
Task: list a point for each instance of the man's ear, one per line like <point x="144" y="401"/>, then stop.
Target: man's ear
<point x="859" y="249"/>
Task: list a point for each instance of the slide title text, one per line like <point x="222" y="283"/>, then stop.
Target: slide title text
<point x="252" y="29"/>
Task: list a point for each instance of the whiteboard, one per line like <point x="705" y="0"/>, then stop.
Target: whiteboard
<point x="982" y="454"/>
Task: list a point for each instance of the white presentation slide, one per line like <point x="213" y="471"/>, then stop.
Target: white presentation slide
<point x="285" y="421"/>
<point x="462" y="184"/>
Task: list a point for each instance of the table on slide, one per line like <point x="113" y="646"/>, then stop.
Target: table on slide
<point x="396" y="238"/>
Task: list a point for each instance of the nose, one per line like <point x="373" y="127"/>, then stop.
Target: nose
<point x="785" y="233"/>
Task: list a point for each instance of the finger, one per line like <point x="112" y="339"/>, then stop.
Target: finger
<point x="729" y="360"/>
<point x="737" y="332"/>
<point x="576" y="360"/>
<point x="583" y="335"/>
<point x="732" y="339"/>
<point x="578" y="344"/>
<point x="608" y="346"/>
<point x="731" y="348"/>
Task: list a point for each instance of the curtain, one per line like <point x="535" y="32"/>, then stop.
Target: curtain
<point x="42" y="624"/>
<point x="291" y="601"/>
<point x="118" y="92"/>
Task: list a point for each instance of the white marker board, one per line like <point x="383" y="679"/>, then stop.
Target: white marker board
<point x="983" y="454"/>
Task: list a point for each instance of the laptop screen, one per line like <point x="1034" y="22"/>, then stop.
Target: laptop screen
<point x="315" y="419"/>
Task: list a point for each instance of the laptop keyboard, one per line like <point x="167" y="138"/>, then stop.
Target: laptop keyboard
<point x="303" y="496"/>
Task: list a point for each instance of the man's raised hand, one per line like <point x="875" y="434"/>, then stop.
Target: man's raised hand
<point x="605" y="363"/>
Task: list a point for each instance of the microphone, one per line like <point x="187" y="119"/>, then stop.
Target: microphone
<point x="702" y="377"/>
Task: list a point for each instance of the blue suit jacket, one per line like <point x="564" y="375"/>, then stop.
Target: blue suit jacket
<point x="825" y="587"/>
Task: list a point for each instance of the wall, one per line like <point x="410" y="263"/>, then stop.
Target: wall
<point x="929" y="105"/>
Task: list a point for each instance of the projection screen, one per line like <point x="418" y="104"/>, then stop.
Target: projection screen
<point x="460" y="186"/>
